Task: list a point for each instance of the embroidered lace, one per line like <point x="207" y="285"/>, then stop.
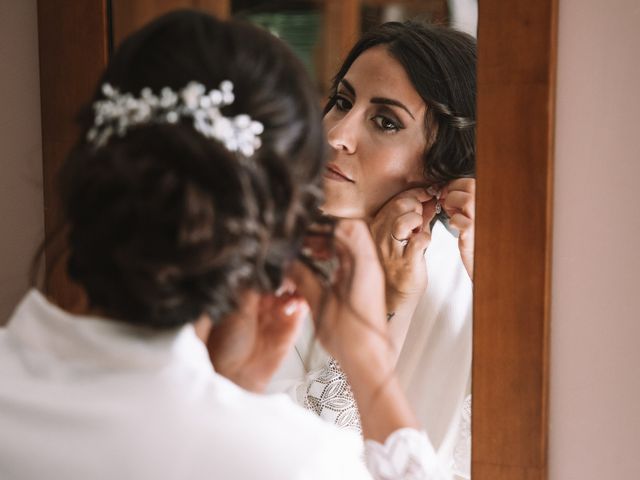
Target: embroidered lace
<point x="407" y="454"/>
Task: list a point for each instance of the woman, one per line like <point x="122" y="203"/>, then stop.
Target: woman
<point x="401" y="125"/>
<point x="187" y="198"/>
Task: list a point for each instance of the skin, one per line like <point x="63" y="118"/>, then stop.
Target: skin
<point x="379" y="148"/>
<point x="376" y="131"/>
<point x="248" y="346"/>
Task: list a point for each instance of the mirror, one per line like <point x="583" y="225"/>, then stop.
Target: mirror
<point x="432" y="334"/>
<point x="510" y="334"/>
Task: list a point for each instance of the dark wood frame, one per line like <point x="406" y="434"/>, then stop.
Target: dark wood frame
<point x="516" y="87"/>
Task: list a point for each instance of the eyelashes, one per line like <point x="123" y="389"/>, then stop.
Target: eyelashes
<point x="386" y="123"/>
<point x="341" y="103"/>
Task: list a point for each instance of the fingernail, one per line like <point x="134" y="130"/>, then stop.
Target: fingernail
<point x="290" y="308"/>
<point x="433" y="191"/>
<point x="287" y="286"/>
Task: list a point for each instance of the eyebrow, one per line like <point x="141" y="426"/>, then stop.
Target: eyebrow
<point x="377" y="100"/>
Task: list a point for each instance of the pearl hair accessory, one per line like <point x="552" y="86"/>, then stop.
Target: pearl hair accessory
<point x="120" y="111"/>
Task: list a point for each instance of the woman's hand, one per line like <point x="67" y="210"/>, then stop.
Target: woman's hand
<point x="401" y="234"/>
<point x="248" y="346"/>
<point x="349" y="315"/>
<point x="351" y="324"/>
<point x="458" y="199"/>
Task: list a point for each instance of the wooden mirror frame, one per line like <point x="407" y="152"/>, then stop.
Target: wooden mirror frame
<point x="516" y="88"/>
<point x="516" y="107"/>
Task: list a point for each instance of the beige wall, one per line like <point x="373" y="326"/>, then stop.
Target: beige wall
<point x="595" y="341"/>
<point x="595" y="333"/>
<point x="21" y="207"/>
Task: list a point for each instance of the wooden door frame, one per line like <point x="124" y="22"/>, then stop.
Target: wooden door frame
<point x="516" y="99"/>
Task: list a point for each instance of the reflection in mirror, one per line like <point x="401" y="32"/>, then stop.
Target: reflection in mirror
<point x="400" y="122"/>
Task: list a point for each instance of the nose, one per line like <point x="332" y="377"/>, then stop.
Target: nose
<point x="342" y="134"/>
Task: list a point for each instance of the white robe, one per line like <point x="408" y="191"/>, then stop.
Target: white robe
<point x="89" y="398"/>
<point x="435" y="362"/>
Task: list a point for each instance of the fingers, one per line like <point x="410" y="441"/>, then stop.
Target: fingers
<point x="417" y="245"/>
<point x="458" y="201"/>
<point x="405" y="225"/>
<point x="280" y="321"/>
<point x="281" y="315"/>
<point x="400" y="205"/>
<point x="419" y="193"/>
<point x="356" y="254"/>
<point x="406" y="201"/>
<point x="461" y="223"/>
<point x="308" y="285"/>
<point x="395" y="221"/>
<point x="460" y="184"/>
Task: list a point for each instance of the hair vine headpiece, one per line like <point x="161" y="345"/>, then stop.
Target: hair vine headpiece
<point x="120" y="111"/>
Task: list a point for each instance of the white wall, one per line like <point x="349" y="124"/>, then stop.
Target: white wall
<point x="595" y="330"/>
<point x="21" y="207"/>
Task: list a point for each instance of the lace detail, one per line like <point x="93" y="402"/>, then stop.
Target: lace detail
<point x="462" y="451"/>
<point x="407" y="454"/>
<point x="329" y="395"/>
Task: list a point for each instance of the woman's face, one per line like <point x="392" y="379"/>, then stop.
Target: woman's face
<point x="377" y="137"/>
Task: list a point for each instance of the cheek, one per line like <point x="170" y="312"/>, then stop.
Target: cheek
<point x="390" y="172"/>
<point x="394" y="166"/>
<point x="384" y="174"/>
<point x="383" y="171"/>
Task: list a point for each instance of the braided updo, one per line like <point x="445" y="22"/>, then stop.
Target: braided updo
<point x="165" y="224"/>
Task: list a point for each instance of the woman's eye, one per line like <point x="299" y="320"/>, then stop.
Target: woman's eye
<point x="386" y="124"/>
<point x="342" y="103"/>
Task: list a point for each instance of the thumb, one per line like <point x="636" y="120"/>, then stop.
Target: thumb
<point x="308" y="286"/>
<point x="281" y="318"/>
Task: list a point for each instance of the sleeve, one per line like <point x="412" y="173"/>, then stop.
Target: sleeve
<point x="407" y="454"/>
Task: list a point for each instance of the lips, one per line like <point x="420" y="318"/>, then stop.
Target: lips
<point x="334" y="172"/>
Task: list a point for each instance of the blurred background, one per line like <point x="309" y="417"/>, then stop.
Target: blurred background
<point x="319" y="31"/>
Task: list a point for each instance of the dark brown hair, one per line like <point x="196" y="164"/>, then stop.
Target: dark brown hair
<point x="164" y="224"/>
<point x="441" y="64"/>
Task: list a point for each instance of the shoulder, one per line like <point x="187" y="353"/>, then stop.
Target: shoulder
<point x="268" y="436"/>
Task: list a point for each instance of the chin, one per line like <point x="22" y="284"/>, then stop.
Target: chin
<point x="341" y="201"/>
<point x="338" y="210"/>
